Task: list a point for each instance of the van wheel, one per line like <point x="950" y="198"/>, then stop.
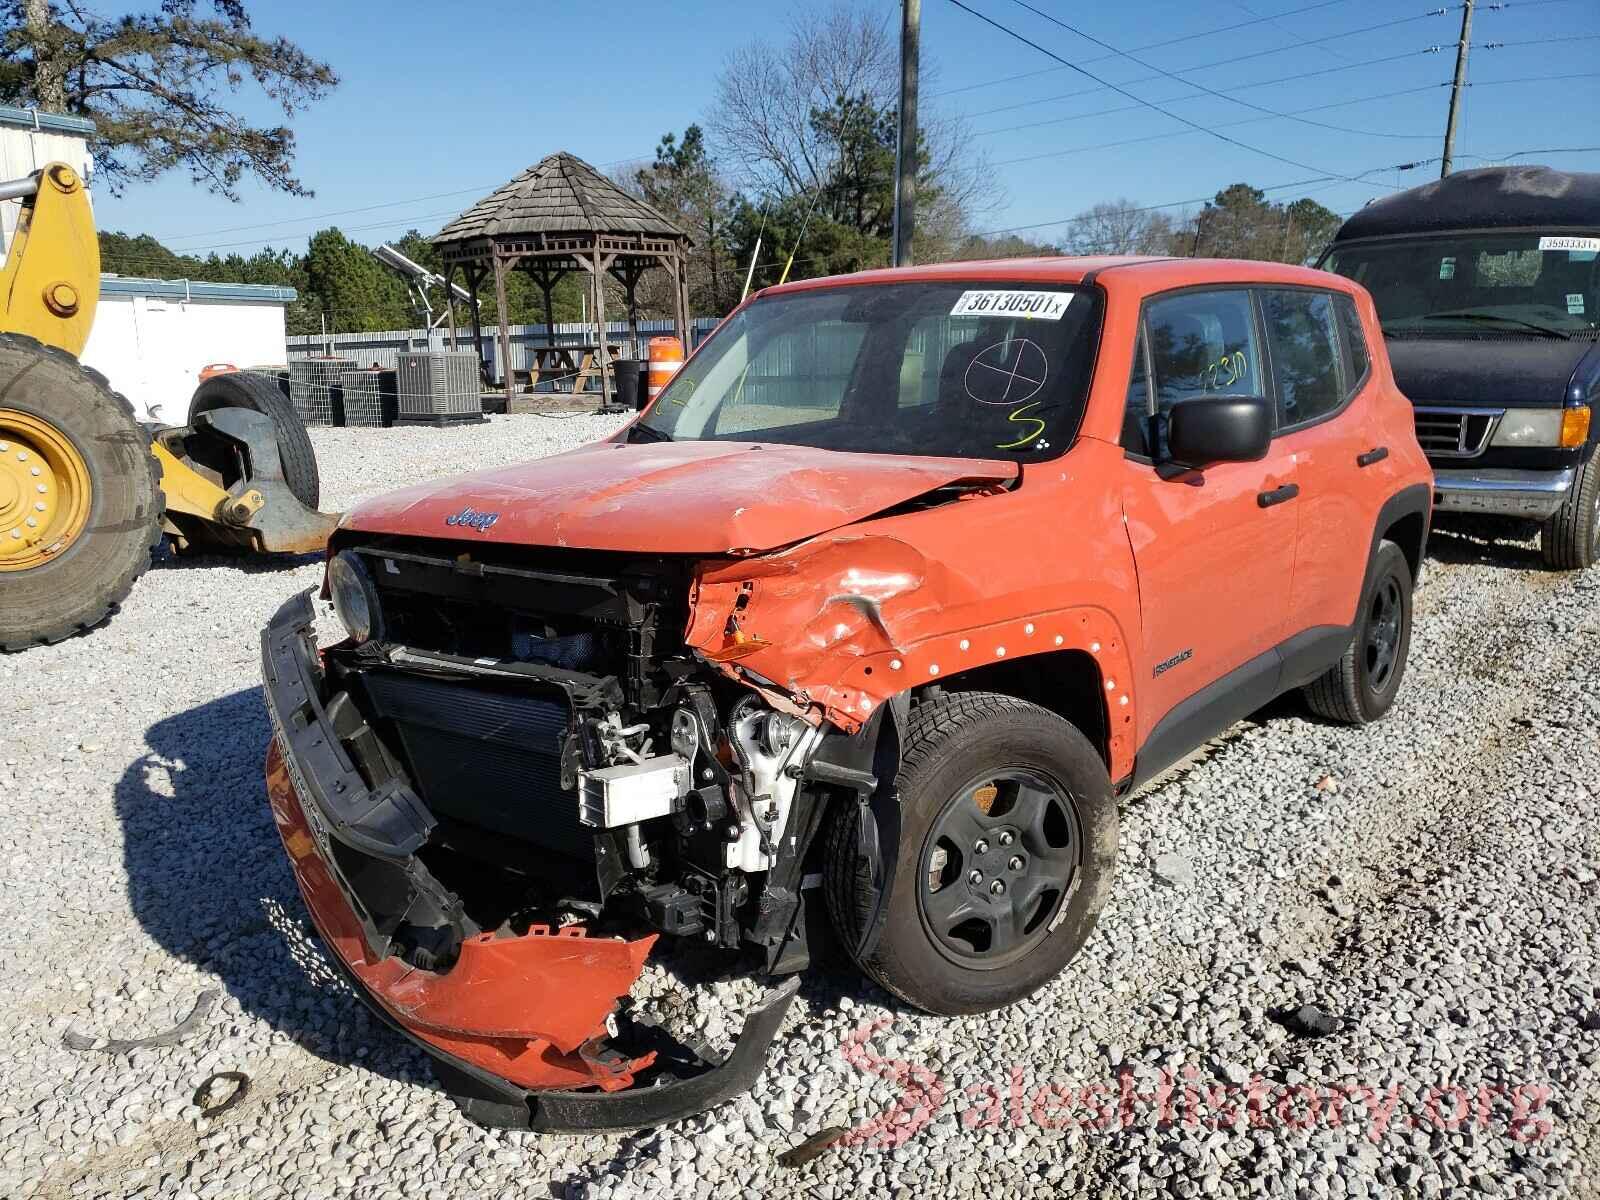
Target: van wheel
<point x="1007" y="850"/>
<point x="1570" y="540"/>
<point x="1362" y="685"/>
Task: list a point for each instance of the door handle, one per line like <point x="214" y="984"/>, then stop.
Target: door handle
<point x="1278" y="495"/>
<point x="1376" y="455"/>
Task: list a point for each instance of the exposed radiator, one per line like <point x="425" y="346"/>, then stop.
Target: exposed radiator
<point x="487" y="759"/>
<point x="438" y="387"/>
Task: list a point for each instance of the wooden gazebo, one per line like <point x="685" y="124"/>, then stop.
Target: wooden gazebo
<point x="559" y="216"/>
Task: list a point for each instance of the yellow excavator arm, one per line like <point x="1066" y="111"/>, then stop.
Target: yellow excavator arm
<point x="71" y="449"/>
<point x="51" y="280"/>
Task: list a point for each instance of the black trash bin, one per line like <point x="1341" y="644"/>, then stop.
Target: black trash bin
<point x="630" y="382"/>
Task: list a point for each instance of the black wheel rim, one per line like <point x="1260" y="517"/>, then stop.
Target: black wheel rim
<point x="997" y="867"/>
<point x="1384" y="625"/>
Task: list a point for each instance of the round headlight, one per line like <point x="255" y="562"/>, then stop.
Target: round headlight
<point x="354" y="597"/>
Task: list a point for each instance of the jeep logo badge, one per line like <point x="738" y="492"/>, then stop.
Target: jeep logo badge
<point x="471" y="518"/>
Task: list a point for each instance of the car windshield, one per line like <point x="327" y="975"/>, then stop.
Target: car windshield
<point x="1522" y="284"/>
<point x="965" y="370"/>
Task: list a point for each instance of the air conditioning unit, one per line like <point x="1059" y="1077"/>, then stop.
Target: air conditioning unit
<point x="369" y="397"/>
<point x="438" y="387"/>
<point x="316" y="389"/>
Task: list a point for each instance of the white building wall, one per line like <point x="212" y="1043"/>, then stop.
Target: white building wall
<point x="153" y="348"/>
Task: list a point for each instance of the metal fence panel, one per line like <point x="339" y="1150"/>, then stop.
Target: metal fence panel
<point x="382" y="348"/>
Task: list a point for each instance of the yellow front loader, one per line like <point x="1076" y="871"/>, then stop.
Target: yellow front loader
<point x="86" y="492"/>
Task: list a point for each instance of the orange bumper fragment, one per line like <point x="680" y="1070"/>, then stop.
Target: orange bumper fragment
<point x="521" y="1007"/>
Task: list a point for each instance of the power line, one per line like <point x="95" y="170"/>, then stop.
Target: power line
<point x="342" y="212"/>
<point x="1155" y="137"/>
<point x="1261" y="83"/>
<point x="368" y="208"/>
<point x="1294" y="12"/>
<point x="1089" y="37"/>
<point x="1229" y="61"/>
<point x="1171" y="133"/>
<point x="1368" y="62"/>
<point x="1195" y="125"/>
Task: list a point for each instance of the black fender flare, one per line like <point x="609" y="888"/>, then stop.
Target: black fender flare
<point x="1414" y="500"/>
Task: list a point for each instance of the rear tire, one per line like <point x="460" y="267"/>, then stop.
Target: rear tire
<point x="1362" y="685"/>
<point x="77" y="588"/>
<point x="238" y="389"/>
<point x="958" y="750"/>
<point x="1570" y="540"/>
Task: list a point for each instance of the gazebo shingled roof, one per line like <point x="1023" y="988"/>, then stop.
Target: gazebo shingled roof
<point x="559" y="194"/>
<point x="558" y="216"/>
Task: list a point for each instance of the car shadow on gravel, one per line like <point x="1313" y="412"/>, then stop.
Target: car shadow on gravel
<point x="1464" y="540"/>
<point x="208" y="881"/>
<point x="248" y="564"/>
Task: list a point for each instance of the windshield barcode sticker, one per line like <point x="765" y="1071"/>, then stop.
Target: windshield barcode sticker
<point x="1032" y="306"/>
<point x="1569" y="243"/>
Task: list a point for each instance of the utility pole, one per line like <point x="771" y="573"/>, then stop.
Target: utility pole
<point x="905" y="143"/>
<point x="1462" y="47"/>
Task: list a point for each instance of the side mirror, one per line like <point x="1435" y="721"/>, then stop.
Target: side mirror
<point x="1215" y="429"/>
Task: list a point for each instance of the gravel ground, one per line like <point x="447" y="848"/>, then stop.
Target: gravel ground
<point x="1427" y="887"/>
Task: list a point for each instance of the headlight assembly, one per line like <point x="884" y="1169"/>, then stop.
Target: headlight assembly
<point x="1563" y="427"/>
<point x="355" y="598"/>
<point x="1529" y="427"/>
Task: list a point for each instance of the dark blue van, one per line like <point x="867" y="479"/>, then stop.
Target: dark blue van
<point x="1488" y="286"/>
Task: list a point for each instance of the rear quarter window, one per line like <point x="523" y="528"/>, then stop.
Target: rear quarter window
<point x="1355" y="339"/>
<point x="1305" y="354"/>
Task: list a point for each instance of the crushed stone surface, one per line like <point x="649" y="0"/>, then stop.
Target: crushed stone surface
<point x="1428" y="886"/>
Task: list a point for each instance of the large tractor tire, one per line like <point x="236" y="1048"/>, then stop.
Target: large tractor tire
<point x="80" y="496"/>
<point x="237" y="389"/>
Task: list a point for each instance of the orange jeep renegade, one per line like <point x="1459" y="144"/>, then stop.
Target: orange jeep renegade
<point x="867" y="621"/>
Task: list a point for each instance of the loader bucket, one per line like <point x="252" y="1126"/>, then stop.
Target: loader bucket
<point x="258" y="514"/>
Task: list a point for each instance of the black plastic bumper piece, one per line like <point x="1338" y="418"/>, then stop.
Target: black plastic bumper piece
<point x="500" y="1104"/>
<point x="670" y="1099"/>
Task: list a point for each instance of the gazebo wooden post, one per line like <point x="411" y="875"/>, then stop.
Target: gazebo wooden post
<point x="474" y="281"/>
<point x="601" y="351"/>
<point x="631" y="282"/>
<point x="547" y="285"/>
<point x="499" y="264"/>
<point x="450" y="300"/>
<point x="680" y="299"/>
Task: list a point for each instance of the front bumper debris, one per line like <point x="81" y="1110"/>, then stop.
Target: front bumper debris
<point x="529" y="1031"/>
<point x="1501" y="492"/>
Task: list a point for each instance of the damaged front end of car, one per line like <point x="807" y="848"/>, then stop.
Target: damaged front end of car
<point x="521" y="778"/>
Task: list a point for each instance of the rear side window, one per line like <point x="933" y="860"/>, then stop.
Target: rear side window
<point x="1355" y="339"/>
<point x="1305" y="354"/>
<point x="1136" y="415"/>
<point x="1203" y="344"/>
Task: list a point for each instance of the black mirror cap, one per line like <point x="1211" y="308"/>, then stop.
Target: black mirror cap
<point x="1214" y="429"/>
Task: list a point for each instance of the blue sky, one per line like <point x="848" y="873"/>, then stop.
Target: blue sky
<point x="433" y="111"/>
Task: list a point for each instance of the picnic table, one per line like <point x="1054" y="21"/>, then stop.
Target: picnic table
<point x="572" y="361"/>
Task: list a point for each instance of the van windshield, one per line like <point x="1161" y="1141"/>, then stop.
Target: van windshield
<point x="1521" y="284"/>
<point x="963" y="370"/>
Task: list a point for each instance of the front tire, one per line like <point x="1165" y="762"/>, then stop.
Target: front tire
<point x="1362" y="685"/>
<point x="1007" y="850"/>
<point x="1570" y="540"/>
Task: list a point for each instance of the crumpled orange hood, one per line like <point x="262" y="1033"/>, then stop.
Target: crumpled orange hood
<point x="668" y="497"/>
